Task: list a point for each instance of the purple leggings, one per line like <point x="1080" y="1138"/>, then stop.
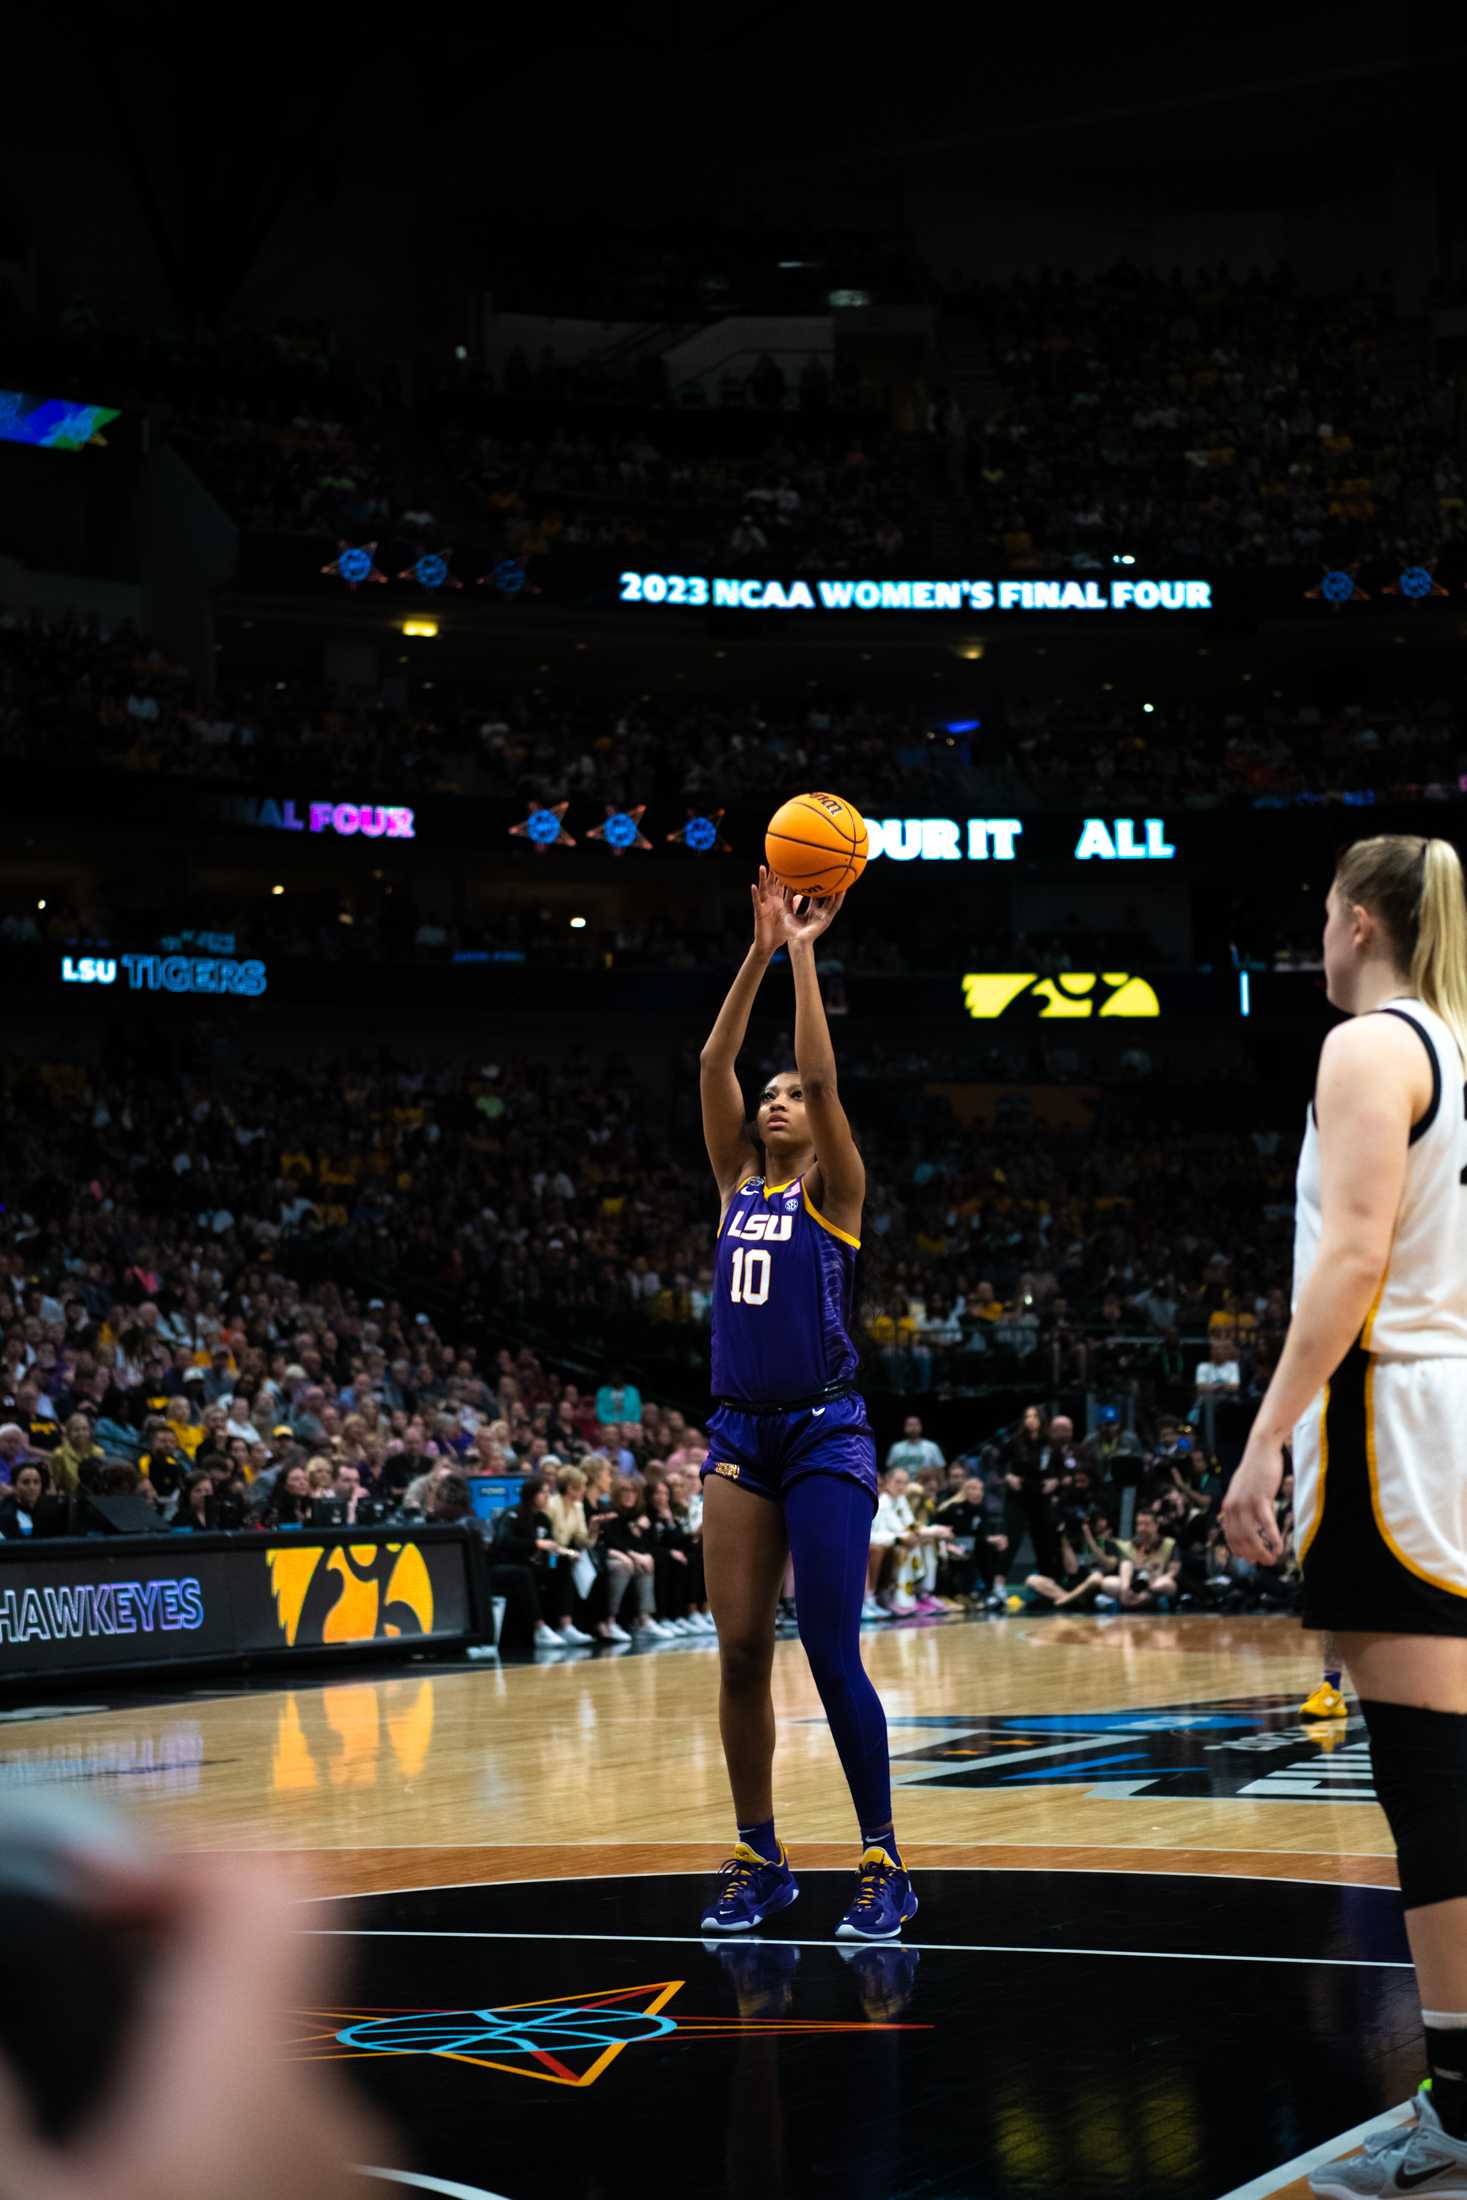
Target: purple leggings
<point x="828" y="1521"/>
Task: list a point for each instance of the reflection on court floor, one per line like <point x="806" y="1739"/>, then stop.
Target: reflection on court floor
<point x="1040" y="2033"/>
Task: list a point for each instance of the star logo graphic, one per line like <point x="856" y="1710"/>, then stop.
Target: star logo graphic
<point x="622" y="829"/>
<point x="701" y="833"/>
<point x="357" y="563"/>
<point x="563" y="2039"/>
<point x="543" y="828"/>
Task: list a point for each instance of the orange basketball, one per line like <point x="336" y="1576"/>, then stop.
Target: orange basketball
<point x="816" y="844"/>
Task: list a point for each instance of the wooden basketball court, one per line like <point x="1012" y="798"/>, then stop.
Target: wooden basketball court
<point x="1158" y="1950"/>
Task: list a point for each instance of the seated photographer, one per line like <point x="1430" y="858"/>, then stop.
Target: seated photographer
<point x="1148" y="1578"/>
<point x="162" y="1462"/>
<point x="1185" y="1519"/>
<point x="1091" y="1574"/>
<point x="1148" y="1575"/>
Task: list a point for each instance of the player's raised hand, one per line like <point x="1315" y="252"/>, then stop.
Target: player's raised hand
<point x="804" y="919"/>
<point x="767" y="897"/>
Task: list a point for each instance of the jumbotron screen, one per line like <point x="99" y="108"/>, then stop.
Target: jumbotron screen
<point x="54" y="423"/>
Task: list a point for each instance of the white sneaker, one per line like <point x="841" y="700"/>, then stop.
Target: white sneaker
<point x="574" y="1636"/>
<point x="871" y="1610"/>
<point x="705" y="1623"/>
<point x="901" y="1607"/>
<point x="484" y="1653"/>
<point x="614" y="1633"/>
<point x="1412" y="2157"/>
<point x="686" y="1625"/>
<point x="655" y="1628"/>
<point x="547" y="1639"/>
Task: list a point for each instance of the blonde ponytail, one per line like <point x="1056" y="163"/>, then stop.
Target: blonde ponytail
<point x="1439" y="959"/>
<point x="1415" y="888"/>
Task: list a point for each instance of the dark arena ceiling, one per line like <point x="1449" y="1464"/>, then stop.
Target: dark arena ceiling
<point x="217" y="126"/>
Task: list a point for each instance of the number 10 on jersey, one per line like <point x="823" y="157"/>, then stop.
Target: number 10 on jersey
<point x="750" y="1283"/>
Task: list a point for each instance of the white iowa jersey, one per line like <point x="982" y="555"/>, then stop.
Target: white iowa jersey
<point x="1420" y="1312"/>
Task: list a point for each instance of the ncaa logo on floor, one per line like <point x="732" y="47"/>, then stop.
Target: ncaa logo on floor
<point x="1257" y="1748"/>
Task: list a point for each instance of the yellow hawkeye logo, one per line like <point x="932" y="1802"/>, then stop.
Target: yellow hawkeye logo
<point x="1070" y="993"/>
<point x="383" y="1589"/>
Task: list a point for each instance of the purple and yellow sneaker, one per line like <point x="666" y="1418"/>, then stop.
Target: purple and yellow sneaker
<point x="750" y="1889"/>
<point x="884" y="1899"/>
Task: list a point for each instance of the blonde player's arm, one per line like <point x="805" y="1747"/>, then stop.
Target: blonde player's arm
<point x="1364" y="1101"/>
<point x="724" y="1120"/>
<point x="838" y="1184"/>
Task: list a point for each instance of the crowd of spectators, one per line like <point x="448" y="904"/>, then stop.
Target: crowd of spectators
<point x="295" y="439"/>
<point x="1030" y="1519"/>
<point x="835" y="502"/>
<point x="1211" y="420"/>
<point x="812" y="385"/>
<point x="1219" y="420"/>
<point x="71" y="693"/>
<point x="185" y="1261"/>
<point x="574" y="1191"/>
<point x="117" y="1388"/>
<point x="1269" y="750"/>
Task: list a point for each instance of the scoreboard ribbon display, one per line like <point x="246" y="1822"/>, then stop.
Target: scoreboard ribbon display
<point x="835" y="593"/>
<point x="84" y="1604"/>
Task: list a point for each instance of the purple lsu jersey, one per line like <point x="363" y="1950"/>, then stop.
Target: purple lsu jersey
<point x="782" y="1289"/>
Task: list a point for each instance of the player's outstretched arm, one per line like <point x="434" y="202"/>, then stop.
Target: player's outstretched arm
<point x="841" y="1171"/>
<point x="724" y="1132"/>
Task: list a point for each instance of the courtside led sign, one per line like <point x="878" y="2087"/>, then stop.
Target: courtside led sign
<point x="166" y="973"/>
<point x="371" y="819"/>
<point x="995" y="840"/>
<point x="1070" y="993"/>
<point x="692" y="591"/>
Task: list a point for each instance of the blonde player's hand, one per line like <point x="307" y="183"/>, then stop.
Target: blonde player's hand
<point x="1248" y="1518"/>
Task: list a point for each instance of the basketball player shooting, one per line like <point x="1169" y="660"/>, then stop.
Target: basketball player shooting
<point x="791" y="1466"/>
